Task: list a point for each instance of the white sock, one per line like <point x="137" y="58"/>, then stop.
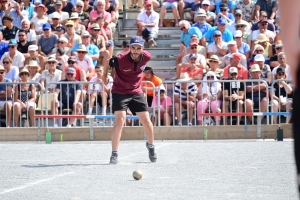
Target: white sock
<point x="103" y="110"/>
<point x="90" y="110"/>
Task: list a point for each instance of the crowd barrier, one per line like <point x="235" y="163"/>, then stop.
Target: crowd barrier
<point x="44" y="105"/>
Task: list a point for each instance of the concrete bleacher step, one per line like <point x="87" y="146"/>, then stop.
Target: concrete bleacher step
<point x="162" y="65"/>
<point x="162" y="33"/>
<point x="133" y="13"/>
<point x="161" y="42"/>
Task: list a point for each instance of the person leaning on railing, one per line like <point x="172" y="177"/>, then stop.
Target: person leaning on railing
<point x="5" y="95"/>
<point x="280" y="94"/>
<point x="24" y="98"/>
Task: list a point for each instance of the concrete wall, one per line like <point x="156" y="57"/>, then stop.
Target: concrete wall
<point x="137" y="133"/>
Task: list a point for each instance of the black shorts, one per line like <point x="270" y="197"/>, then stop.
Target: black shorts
<point x="135" y="102"/>
<point x="66" y="105"/>
<point x="149" y="100"/>
<point x="256" y="101"/>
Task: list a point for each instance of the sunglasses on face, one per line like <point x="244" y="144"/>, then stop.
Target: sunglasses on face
<point x="96" y="30"/>
<point x="79" y="6"/>
<point x="210" y="77"/>
<point x="46" y="30"/>
<point x="264" y="24"/>
<point x="1" y="72"/>
<point x="69" y="26"/>
<point x="279" y="48"/>
<point x="281" y="74"/>
<point x="264" y="16"/>
<point x="83" y="52"/>
<point x="217" y="35"/>
<point x="6" y="62"/>
<point x="126" y="46"/>
<point x="237" y="37"/>
<point x="259" y="51"/>
<point x="240" y="26"/>
<point x="182" y="28"/>
<point x="70" y="74"/>
<point x="21" y="35"/>
<point x="233" y="74"/>
<point x="54" y="18"/>
<point x="71" y="62"/>
<point x="205" y="5"/>
<point x="23" y="74"/>
<point x="194" y="47"/>
<point x="238" y="15"/>
<point x="11" y="47"/>
<point x="212" y="61"/>
<point x="222" y="10"/>
<point x="61" y="42"/>
<point x="84" y="37"/>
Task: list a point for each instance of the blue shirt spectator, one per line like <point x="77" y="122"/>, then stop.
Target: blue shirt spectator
<point x="3" y="47"/>
<point x="203" y="28"/>
<point x="30" y="10"/>
<point x="91" y="49"/>
<point x="16" y="18"/>
<point x="231" y="5"/>
<point x="226" y="35"/>
<point x="3" y="87"/>
<point x="186" y="36"/>
<point x="196" y="7"/>
<point x="13" y="73"/>
<point x="244" y="48"/>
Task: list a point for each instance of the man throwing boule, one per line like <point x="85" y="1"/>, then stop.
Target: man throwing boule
<point x="127" y="93"/>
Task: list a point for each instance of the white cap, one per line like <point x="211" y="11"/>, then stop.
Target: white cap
<point x="56" y="15"/>
<point x="238" y="33"/>
<point x="259" y="57"/>
<point x="64" y="39"/>
<point x="206" y="2"/>
<point x="85" y="33"/>
<point x="52" y="58"/>
<point x="79" y="2"/>
<point x="37" y="1"/>
<point x="74" y="15"/>
<point x="161" y="87"/>
<point x="232" y="42"/>
<point x="233" y="70"/>
<point x="33" y="47"/>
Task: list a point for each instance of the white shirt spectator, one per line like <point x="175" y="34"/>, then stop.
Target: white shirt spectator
<point x="154" y="17"/>
<point x="18" y="60"/>
<point x="86" y="63"/>
<point x="200" y="59"/>
<point x="31" y="36"/>
<point x="51" y="79"/>
<point x="100" y="89"/>
<point x="64" y="16"/>
<point x="212" y="48"/>
<point x="231" y="26"/>
<point x="38" y="23"/>
<point x="268" y="33"/>
<point x="287" y="71"/>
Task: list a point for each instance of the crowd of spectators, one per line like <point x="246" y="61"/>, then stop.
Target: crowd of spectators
<point x="48" y="41"/>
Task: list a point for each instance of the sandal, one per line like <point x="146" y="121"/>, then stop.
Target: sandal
<point x="132" y="6"/>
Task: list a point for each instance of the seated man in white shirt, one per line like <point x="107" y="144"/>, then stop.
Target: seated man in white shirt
<point x="284" y="65"/>
<point x="263" y="28"/>
<point x="100" y="91"/>
<point x="147" y="23"/>
<point x="232" y="48"/>
<point x="31" y="35"/>
<point x="219" y="47"/>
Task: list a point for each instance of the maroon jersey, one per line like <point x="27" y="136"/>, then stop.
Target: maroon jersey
<point x="129" y="74"/>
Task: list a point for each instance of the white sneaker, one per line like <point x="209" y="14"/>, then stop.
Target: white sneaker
<point x="104" y="114"/>
<point x="69" y="126"/>
<point x="55" y="125"/>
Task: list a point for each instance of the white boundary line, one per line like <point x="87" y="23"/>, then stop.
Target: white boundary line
<point x="33" y="183"/>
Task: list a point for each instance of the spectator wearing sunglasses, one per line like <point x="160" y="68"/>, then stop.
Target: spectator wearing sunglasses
<point x="214" y="63"/>
<point x="263" y="30"/>
<point x="246" y="36"/>
<point x="263" y="18"/>
<point x="266" y="74"/>
<point x="232" y="48"/>
<point x="187" y="31"/>
<point x="85" y="62"/>
<point x="47" y="41"/>
<point x="58" y="8"/>
<point x="62" y="44"/>
<point x="83" y="15"/>
<point x="264" y="41"/>
<point x="209" y="97"/>
<point x="224" y="14"/>
<point x="17" y="57"/>
<point x="234" y="95"/>
<point x="67" y="96"/>
<point x="238" y="15"/>
<point x="23" y="44"/>
<point x="70" y="34"/>
<point x="247" y="7"/>
<point x="282" y="90"/>
<point x="5" y="95"/>
<point x="50" y="75"/>
<point x="242" y="47"/>
<point x="194" y="69"/>
<point x="274" y="59"/>
<point x="231" y="5"/>
<point x="125" y="47"/>
<point x="218" y="47"/>
<point x="209" y="36"/>
<point x="201" y="21"/>
<point x="283" y="64"/>
<point x="56" y="27"/>
<point x="31" y="35"/>
<point x="234" y="61"/>
<point x="268" y="6"/>
<point x="257" y="49"/>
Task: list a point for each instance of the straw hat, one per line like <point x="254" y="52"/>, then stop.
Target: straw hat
<point x="214" y="58"/>
<point x="2" y="69"/>
<point x="262" y="38"/>
<point x="184" y="77"/>
<point x="81" y="48"/>
<point x="24" y="70"/>
<point x="33" y="63"/>
<point x="40" y="6"/>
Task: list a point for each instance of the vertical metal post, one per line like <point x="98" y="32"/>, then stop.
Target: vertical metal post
<point x="91" y="129"/>
<point x="258" y="126"/>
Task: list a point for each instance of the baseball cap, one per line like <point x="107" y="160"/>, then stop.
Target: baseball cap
<point x="70" y="22"/>
<point x="58" y="2"/>
<point x="221" y="21"/>
<point x="232" y="42"/>
<point x="12" y="42"/>
<point x="46" y="26"/>
<point x="74" y="15"/>
<point x="64" y="39"/>
<point x="238" y="33"/>
<point x="71" y="69"/>
<point x="125" y="43"/>
<point x="147" y="68"/>
<point x="223" y="6"/>
<point x="56" y="15"/>
<point x="193" y="56"/>
<point x="217" y="33"/>
<point x="255" y="68"/>
<point x="95" y="26"/>
<point x="193" y="43"/>
<point x="52" y="58"/>
<point x="85" y="33"/>
<point x="235" y="55"/>
<point x="205" y="2"/>
<point x="238" y="11"/>
<point x="233" y="70"/>
<point x="137" y="40"/>
<point x="280" y="69"/>
<point x="259" y="57"/>
<point x="33" y="48"/>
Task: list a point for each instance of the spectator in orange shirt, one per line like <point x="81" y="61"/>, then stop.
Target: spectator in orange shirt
<point x="235" y="59"/>
<point x="192" y="68"/>
<point x="148" y="87"/>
